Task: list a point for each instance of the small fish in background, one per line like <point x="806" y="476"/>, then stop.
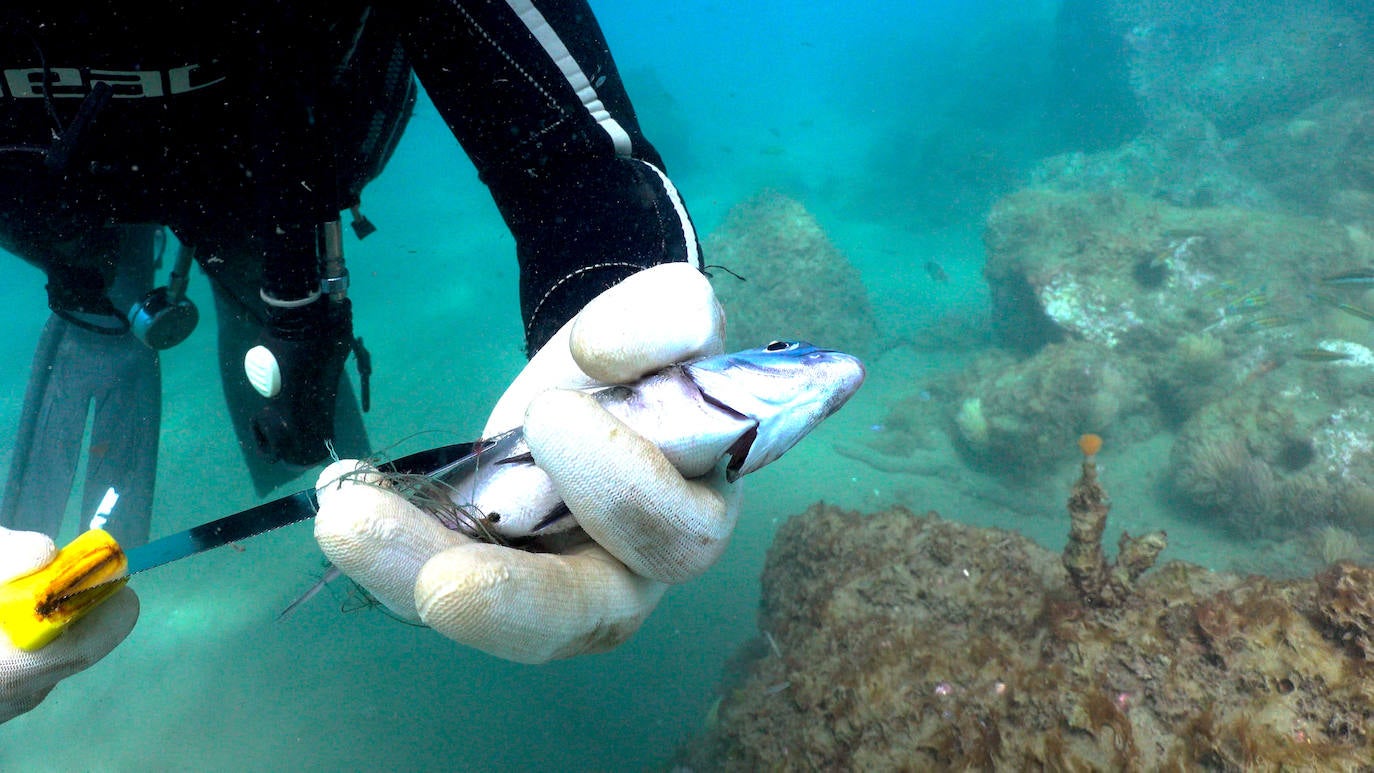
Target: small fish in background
<point x="1250" y="302"/>
<point x="936" y="272"/>
<point x="1339" y="305"/>
<point x="1267" y="322"/>
<point x="1356" y="311"/>
<point x="1354" y="276"/>
<point x="1222" y="289"/>
<point x="1318" y="354"/>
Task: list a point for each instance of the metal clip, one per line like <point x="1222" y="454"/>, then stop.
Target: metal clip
<point x="335" y="280"/>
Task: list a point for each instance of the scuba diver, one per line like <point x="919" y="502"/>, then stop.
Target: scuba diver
<point x="246" y="134"/>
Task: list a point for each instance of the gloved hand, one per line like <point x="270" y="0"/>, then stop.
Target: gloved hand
<point x="308" y="347"/>
<point x="648" y="526"/>
<point x="27" y="677"/>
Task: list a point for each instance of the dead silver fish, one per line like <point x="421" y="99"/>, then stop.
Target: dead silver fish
<point x="743" y="410"/>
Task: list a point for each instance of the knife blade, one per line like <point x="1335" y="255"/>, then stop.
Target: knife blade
<point x="263" y="518"/>
<point x="35" y="608"/>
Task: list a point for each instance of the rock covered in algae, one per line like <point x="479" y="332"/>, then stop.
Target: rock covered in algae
<point x="905" y="642"/>
<point x="1133" y="274"/>
<point x="1242" y="61"/>
<point x="1283" y="454"/>
<point x="1345" y="604"/>
<point x="1021" y="417"/>
<point x="796" y="282"/>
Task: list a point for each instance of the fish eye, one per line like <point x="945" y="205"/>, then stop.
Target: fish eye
<point x="778" y="346"/>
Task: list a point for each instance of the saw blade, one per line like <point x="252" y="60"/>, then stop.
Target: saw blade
<point x="268" y="516"/>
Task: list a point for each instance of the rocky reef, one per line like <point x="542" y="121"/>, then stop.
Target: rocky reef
<point x="896" y="641"/>
<point x="1020" y="416"/>
<point x="1253" y="104"/>
<point x="1284" y="454"/>
<point x="786" y="278"/>
<point x="1227" y="328"/>
<point x="1132" y="273"/>
<point x="1243" y="60"/>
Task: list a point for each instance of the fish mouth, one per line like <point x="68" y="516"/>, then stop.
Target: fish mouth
<point x="739" y="452"/>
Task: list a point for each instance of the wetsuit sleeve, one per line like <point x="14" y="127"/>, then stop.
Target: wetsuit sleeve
<point x="531" y="93"/>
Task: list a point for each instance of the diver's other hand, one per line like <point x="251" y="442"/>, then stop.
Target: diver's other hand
<point x="27" y="677"/>
<point x="651" y="527"/>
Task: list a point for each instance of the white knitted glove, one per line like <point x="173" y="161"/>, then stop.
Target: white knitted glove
<point x="27" y="677"/>
<point x="650" y="526"/>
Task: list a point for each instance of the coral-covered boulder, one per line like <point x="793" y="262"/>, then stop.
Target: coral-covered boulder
<point x="900" y="642"/>
<point x="1128" y="272"/>
<point x="1023" y="416"/>
<point x="1287" y="452"/>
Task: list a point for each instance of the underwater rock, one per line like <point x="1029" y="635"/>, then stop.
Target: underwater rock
<point x="1345" y="604"/>
<point x="1284" y="454"/>
<point x="1243" y="60"/>
<point x="797" y="284"/>
<point x="1186" y="167"/>
<point x="1235" y="325"/>
<point x="1123" y="315"/>
<point x="1252" y="104"/>
<point x="901" y="642"/>
<point x="1018" y="417"/>
<point x="1135" y="274"/>
<point x="1318" y="162"/>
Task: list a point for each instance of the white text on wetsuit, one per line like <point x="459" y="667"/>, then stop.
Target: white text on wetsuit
<point x="28" y="82"/>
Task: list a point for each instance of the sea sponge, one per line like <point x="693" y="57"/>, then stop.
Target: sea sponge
<point x="972" y="424"/>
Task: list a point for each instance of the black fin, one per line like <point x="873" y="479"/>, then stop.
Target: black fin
<point x="555" y="515"/>
<point x="525" y="458"/>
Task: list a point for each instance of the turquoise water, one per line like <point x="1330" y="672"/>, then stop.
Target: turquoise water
<point x="897" y="124"/>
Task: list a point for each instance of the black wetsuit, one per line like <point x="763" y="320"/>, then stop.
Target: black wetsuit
<point x="245" y="126"/>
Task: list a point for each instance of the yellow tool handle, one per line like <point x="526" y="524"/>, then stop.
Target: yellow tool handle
<point x="35" y="608"/>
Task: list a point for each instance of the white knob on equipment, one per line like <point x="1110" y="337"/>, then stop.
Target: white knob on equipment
<point x="263" y="372"/>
